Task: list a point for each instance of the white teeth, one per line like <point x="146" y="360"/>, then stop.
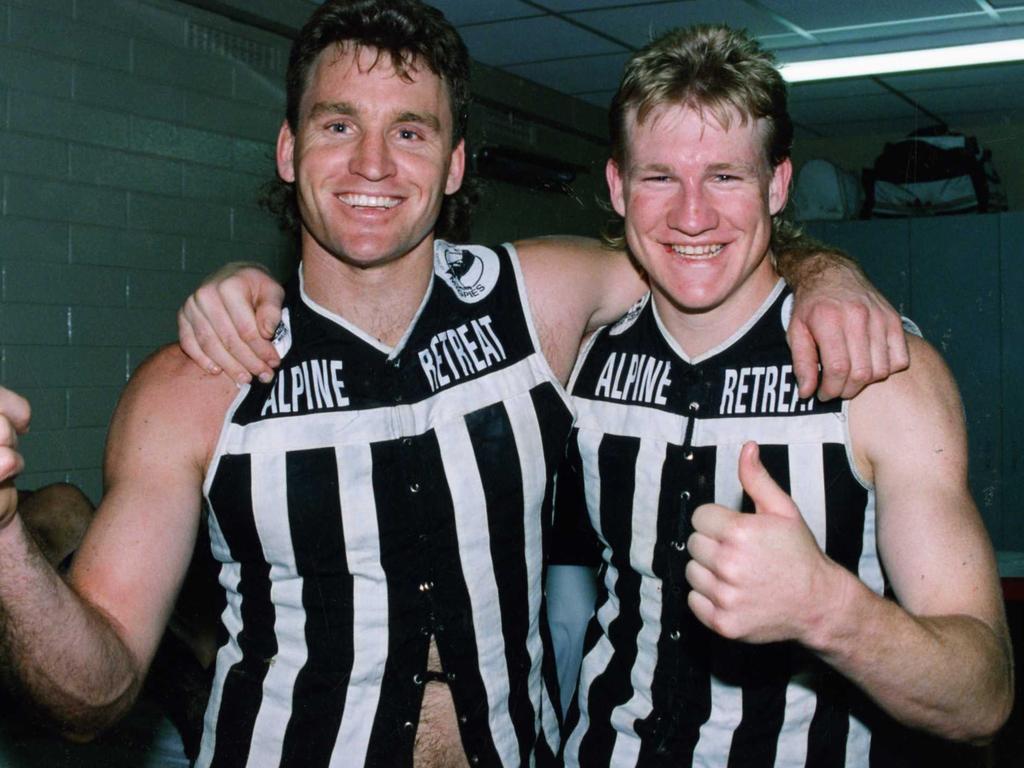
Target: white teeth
<point x="697" y="250"/>
<point x="369" y="201"/>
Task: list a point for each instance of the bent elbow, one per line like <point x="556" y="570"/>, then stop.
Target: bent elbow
<point x="82" y="719"/>
<point x="988" y="717"/>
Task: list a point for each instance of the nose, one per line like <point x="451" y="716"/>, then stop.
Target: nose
<point x="371" y="157"/>
<point x="692" y="211"/>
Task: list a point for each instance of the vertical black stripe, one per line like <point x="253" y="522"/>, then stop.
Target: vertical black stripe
<point x="406" y="558"/>
<point x="231" y="504"/>
<point x="764" y="669"/>
<point x="490" y="432"/>
<point x="845" y="502"/>
<point x="314" y="518"/>
<point x="830" y="726"/>
<point x="617" y="458"/>
<point x="572" y="540"/>
<point x="682" y="683"/>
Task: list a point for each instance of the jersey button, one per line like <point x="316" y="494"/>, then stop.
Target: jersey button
<point x="414" y="487"/>
<point x="674" y="635"/>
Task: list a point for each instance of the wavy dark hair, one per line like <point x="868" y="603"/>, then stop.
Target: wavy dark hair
<point x="710" y="67"/>
<point x="409" y="33"/>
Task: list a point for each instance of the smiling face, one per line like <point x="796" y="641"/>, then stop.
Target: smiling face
<point x="697" y="199"/>
<point x="371" y="158"/>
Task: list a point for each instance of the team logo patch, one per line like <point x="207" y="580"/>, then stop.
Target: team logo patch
<point x="471" y="271"/>
<point x="282" y="340"/>
<point x="624" y="323"/>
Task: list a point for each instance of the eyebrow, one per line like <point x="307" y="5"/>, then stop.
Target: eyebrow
<point x="332" y="108"/>
<point x="428" y="119"/>
<point x="747" y="168"/>
<point x="651" y="168"/>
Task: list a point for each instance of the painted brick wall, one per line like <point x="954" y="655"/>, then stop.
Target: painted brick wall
<point x="134" y="135"/>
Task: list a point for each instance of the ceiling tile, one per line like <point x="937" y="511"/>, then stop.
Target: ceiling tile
<point x="834" y="89"/>
<point x="460" y="12"/>
<point x="638" y="29"/>
<point x="581" y="5"/>
<point x="536" y="39"/>
<point x="868" y="107"/>
<point x="976" y="99"/>
<point x="576" y="76"/>
<point x="898" y="31"/>
<point x="826" y="15"/>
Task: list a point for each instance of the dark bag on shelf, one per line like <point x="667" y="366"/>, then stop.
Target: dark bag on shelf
<point x="931" y="172"/>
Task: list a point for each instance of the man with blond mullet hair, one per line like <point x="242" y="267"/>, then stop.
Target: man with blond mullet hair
<point x="744" y="531"/>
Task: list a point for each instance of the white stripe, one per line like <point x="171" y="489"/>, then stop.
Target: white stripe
<point x="807" y="487"/>
<point x="644" y="529"/>
<point x="530" y="447"/>
<point x="229" y="654"/>
<point x="631" y="420"/>
<point x="858" y="744"/>
<point x="869" y="569"/>
<point x="726" y="700"/>
<point x="338" y="428"/>
<point x="369" y="605"/>
<point x="269" y="502"/>
<point x="473" y="535"/>
<point x="801" y="702"/>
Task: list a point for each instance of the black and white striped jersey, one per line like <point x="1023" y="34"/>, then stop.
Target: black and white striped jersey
<point x="658" y="434"/>
<point x="370" y="498"/>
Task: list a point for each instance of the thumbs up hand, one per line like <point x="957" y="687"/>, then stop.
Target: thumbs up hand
<point x="14" y="419"/>
<point x="762" y="577"/>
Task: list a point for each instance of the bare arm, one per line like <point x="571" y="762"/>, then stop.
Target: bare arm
<point x="939" y="660"/>
<point x="81" y="650"/>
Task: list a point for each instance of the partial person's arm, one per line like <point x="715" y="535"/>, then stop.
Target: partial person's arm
<point x="938" y="660"/>
<point x="575" y="286"/>
<point x="81" y="649"/>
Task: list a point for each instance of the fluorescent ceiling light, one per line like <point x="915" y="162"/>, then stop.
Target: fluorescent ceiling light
<point x="904" y="61"/>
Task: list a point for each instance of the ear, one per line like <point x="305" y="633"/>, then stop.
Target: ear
<point x="286" y="153"/>
<point x="615" y="187"/>
<point x="778" y="188"/>
<point x="456" y="168"/>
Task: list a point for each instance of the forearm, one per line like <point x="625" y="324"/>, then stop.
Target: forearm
<point x="59" y="651"/>
<point x="950" y="675"/>
<point x="801" y="259"/>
